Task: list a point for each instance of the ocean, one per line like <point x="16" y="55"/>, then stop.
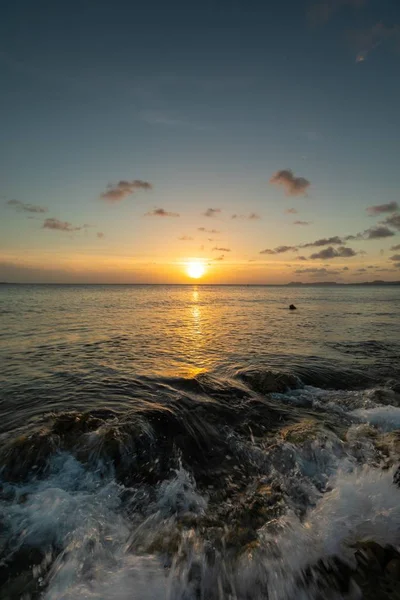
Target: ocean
<point x="198" y="442"/>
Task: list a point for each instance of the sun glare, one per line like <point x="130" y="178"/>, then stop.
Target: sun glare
<point x="195" y="269"/>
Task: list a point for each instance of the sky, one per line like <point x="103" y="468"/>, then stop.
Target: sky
<point x="257" y="139"/>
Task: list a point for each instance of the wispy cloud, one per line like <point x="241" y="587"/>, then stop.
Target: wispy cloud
<point x="250" y="217"/>
<point x="322" y="11"/>
<point x="220" y="257"/>
<point x="294" y="186"/>
<point x="100" y="235"/>
<point x="302" y="258"/>
<point x="23" y="207"/>
<point x="169" y="119"/>
<point x="291" y="211"/>
<point x="185" y="238"/>
<point x="301" y="222"/>
<point x="393" y="221"/>
<point x="212" y="212"/>
<point x="371" y="38"/>
<point x="57" y="225"/>
<point x="122" y="189"/>
<point x="379" y="209"/>
<point x="161" y="212"/>
<point x="395" y="257"/>
<point x="205" y="230"/>
<point x="279" y="250"/>
<point x="397" y="247"/>
<point x="221" y="249"/>
<point x="330" y="252"/>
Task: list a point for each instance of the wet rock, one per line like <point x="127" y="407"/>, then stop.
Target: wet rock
<point x="269" y="382"/>
<point x="392" y="569"/>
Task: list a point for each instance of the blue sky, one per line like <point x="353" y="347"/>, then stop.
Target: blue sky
<point x="205" y="102"/>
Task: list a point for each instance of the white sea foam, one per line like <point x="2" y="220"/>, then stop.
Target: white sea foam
<point x="386" y="418"/>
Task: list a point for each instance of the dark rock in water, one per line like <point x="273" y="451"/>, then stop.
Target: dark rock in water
<point x="392" y="569"/>
<point x="292" y="307"/>
<point x="269" y="382"/>
<point x="396" y="477"/>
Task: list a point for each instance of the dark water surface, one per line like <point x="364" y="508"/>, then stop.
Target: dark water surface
<point x="184" y="442"/>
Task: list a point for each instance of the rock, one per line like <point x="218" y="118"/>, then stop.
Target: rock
<point x="396" y="477"/>
<point x="370" y="556"/>
<point x="392" y="569"/>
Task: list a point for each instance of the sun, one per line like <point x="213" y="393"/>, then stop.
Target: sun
<point x="195" y="270"/>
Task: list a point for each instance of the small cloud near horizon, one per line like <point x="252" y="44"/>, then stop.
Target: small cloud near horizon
<point x="250" y="217"/>
<point x="161" y="212"/>
<point x="185" y="238"/>
<point x="24" y="207"/>
<point x="293" y="186"/>
<point x="291" y="211"/>
<point x="379" y="209"/>
<point x="100" y="235"/>
<point x="397" y="247"/>
<point x="220" y="257"/>
<point x="317" y="272"/>
<point x="395" y="257"/>
<point x="212" y="212"/>
<point x="302" y="222"/>
<point x="122" y="189"/>
<point x="56" y="224"/>
<point x="279" y="250"/>
<point x="205" y="230"/>
<point x="221" y="249"/>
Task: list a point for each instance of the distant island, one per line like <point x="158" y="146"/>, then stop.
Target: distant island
<point x="322" y="283"/>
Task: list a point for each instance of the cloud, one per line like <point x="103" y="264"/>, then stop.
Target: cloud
<point x="221" y="249"/>
<point x="345" y="268"/>
<point x="291" y="211"/>
<point x="332" y="241"/>
<point x="250" y="217"/>
<point x="204" y="229"/>
<point x="55" y="224"/>
<point x="119" y="191"/>
<point x="279" y="250"/>
<point x="212" y="212"/>
<point x="362" y="270"/>
<point x="302" y="258"/>
<point x="393" y="221"/>
<point x="397" y="265"/>
<point x="317" y="272"/>
<point x="321" y="12"/>
<point x="100" y="235"/>
<point x="378" y="232"/>
<point x="330" y="252"/>
<point x="185" y="238"/>
<point x="301" y="222"/>
<point x="378" y="209"/>
<point x="23" y="207"/>
<point x="294" y="186"/>
<point x="371" y="38"/>
<point x="397" y="247"/>
<point x="220" y="257"/>
<point x="395" y="257"/>
<point x="161" y="212"/>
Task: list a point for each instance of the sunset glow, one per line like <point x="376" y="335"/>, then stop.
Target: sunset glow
<point x="195" y="270"/>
